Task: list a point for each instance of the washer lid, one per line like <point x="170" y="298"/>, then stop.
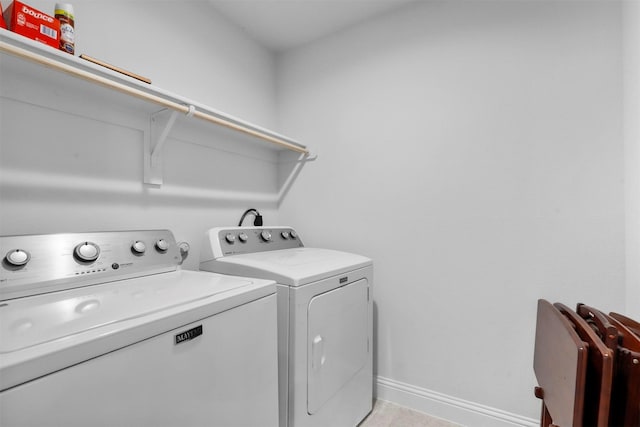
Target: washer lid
<point x="293" y="267"/>
<point x="27" y="322"/>
<point x="44" y="333"/>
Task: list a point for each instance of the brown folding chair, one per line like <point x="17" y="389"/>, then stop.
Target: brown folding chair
<point x="599" y="379"/>
<point x="600" y="324"/>
<point x="625" y="394"/>
<point x="631" y="324"/>
<point x="627" y="381"/>
<point x="560" y="365"/>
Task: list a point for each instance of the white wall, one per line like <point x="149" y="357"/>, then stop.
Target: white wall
<point x="631" y="42"/>
<point x="184" y="47"/>
<point x="81" y="169"/>
<point x="474" y="151"/>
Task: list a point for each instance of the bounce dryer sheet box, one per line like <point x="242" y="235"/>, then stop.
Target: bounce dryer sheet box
<point x="2" y="23"/>
<point x="32" y="23"/>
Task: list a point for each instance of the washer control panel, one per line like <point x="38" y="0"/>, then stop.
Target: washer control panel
<point x="34" y="264"/>
<point x="244" y="240"/>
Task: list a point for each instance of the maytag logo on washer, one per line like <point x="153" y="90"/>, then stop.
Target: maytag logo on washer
<point x="188" y="335"/>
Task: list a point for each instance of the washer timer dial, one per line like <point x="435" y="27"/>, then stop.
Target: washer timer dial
<point x="87" y="252"/>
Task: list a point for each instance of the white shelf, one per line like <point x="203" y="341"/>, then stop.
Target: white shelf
<point x="162" y="107"/>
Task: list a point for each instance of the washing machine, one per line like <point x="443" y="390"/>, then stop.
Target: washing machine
<point x="325" y="313"/>
<point x="106" y="329"/>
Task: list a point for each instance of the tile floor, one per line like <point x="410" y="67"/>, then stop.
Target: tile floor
<point x="387" y="414"/>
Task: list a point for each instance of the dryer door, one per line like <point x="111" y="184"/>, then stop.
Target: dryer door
<point x="337" y="341"/>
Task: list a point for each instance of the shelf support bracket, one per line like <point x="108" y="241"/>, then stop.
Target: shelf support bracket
<point x="160" y="124"/>
<point x="293" y="174"/>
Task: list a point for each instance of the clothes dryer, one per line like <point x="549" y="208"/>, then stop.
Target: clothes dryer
<point x="325" y="313"/>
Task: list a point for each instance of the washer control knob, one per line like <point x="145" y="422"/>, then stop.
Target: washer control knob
<point x="138" y="247"/>
<point x="87" y="251"/>
<point x="266" y="235"/>
<point x="162" y="245"/>
<point x="285" y="235"/>
<point x="243" y="237"/>
<point x="230" y="238"/>
<point x="293" y="234"/>
<point x="17" y="257"/>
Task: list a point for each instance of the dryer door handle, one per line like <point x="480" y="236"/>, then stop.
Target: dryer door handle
<point x="317" y="353"/>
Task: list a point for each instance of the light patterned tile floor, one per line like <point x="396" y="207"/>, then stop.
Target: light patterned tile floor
<point x="387" y="414"/>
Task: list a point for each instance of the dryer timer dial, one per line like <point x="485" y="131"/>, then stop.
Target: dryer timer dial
<point x="266" y="235"/>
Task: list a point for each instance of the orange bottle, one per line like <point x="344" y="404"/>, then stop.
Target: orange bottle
<point x="64" y="13"/>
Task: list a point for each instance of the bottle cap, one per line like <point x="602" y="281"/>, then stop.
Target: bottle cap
<point x="64" y="9"/>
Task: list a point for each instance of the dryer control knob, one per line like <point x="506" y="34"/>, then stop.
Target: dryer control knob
<point x="138" y="247"/>
<point x="265" y="235"/>
<point x="162" y="245"/>
<point x="285" y="235"/>
<point x="294" y="235"/>
<point x="230" y="238"/>
<point x="17" y="257"/>
<point x="243" y="237"/>
<point x="87" y="251"/>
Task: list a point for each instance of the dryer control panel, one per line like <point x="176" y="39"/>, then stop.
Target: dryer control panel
<point x="244" y="240"/>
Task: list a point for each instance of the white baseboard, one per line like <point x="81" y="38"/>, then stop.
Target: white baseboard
<point x="449" y="408"/>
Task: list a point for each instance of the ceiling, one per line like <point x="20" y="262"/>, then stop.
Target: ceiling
<point x="285" y="24"/>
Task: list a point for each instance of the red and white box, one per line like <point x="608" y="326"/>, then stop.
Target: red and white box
<point x="2" y="23"/>
<point x="32" y="23"/>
